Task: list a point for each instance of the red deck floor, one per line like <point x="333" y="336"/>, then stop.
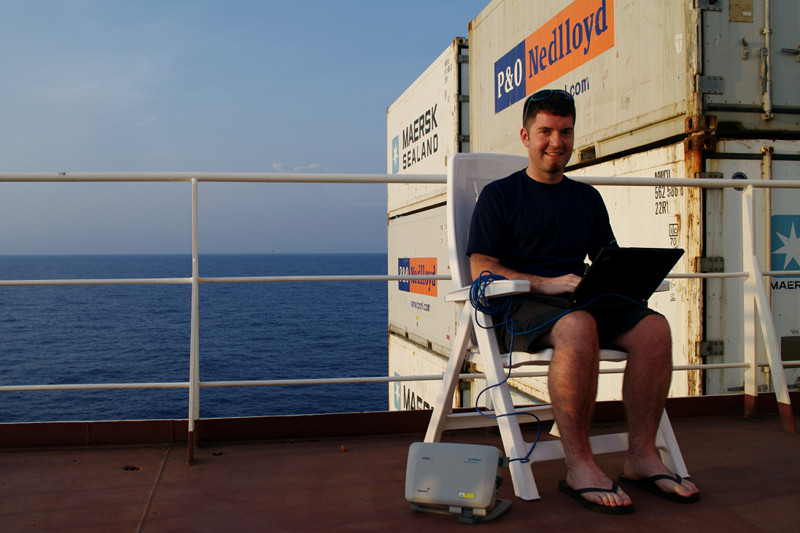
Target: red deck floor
<point x="749" y="473"/>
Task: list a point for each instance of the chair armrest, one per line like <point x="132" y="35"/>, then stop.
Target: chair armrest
<point x="501" y="287"/>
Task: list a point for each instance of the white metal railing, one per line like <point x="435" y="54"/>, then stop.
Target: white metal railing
<point x="750" y="274"/>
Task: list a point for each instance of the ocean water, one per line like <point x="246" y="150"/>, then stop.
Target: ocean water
<point x="141" y="333"/>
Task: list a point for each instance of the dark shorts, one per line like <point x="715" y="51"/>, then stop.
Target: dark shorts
<point x="531" y="319"/>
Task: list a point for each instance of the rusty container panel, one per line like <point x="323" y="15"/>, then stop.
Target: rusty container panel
<point x="665" y="217"/>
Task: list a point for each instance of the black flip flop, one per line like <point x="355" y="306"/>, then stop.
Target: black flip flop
<point x="649" y="483"/>
<point x="596" y="507"/>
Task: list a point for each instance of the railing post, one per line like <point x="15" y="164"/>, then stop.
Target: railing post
<point x="756" y="301"/>
<point x="749" y="308"/>
<point x="194" y="349"/>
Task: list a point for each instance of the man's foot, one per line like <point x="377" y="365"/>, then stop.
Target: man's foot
<point x="671" y="493"/>
<point x="605" y="505"/>
<point x="582" y="475"/>
<point x="652" y="475"/>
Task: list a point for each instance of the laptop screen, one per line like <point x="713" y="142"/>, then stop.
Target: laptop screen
<point x="631" y="272"/>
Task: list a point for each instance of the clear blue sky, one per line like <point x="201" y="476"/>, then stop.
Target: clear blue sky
<point x="190" y="85"/>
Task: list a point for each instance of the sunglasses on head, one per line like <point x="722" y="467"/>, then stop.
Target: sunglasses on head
<point x="546" y="94"/>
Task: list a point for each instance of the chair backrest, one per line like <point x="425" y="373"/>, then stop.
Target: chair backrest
<point x="467" y="174"/>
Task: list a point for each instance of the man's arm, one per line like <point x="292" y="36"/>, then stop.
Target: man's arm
<point x="479" y="263"/>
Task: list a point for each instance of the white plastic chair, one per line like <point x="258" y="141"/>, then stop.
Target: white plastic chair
<point x="467" y="175"/>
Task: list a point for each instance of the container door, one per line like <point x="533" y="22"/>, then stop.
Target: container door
<point x="777" y="224"/>
<point x="751" y="66"/>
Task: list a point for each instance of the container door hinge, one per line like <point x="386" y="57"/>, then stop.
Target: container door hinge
<point x="707" y="265"/>
<point x="463" y="138"/>
<point x="708" y="5"/>
<point x="709" y="175"/>
<point x="709" y="84"/>
<point x="710" y="348"/>
<point x="462" y="58"/>
<point x="463" y="98"/>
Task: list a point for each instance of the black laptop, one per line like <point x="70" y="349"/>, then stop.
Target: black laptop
<point x="634" y="273"/>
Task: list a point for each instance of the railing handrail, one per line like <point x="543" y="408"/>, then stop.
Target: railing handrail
<point x="323" y="278"/>
<point x="194" y="383"/>
<point x="277" y="177"/>
<point x="339" y="381"/>
<point x="215" y="177"/>
<point x="202" y="280"/>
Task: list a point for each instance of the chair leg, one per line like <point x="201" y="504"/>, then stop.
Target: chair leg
<point x="667" y="445"/>
<point x="444" y="402"/>
<point x="515" y="446"/>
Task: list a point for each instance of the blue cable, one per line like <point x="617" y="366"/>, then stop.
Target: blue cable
<point x="479" y="302"/>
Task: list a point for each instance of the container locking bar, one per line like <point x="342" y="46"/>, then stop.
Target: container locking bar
<point x="793" y="51"/>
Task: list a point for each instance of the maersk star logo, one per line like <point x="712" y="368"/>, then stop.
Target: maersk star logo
<point x="398" y="394"/>
<point x="396" y="155"/>
<point x="785" y="242"/>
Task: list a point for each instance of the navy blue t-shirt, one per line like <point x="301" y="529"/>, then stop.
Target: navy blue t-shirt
<point x="537" y="228"/>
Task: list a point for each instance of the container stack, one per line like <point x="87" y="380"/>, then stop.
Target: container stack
<point x="702" y="89"/>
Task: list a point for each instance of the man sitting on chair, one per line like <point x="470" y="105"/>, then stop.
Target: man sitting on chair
<point x="539" y="225"/>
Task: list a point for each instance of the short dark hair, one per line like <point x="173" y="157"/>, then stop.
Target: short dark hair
<point x="551" y="101"/>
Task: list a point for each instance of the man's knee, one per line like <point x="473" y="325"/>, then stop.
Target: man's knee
<point x="651" y="337"/>
<point x="576" y="329"/>
<point x="656" y="327"/>
<point x="579" y="319"/>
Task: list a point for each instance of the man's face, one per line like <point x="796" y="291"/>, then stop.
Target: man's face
<point x="549" y="140"/>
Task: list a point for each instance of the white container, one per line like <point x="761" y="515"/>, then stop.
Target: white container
<point x="659" y="88"/>
<point x="407" y="358"/>
<point x="425" y="126"/>
<point x="660" y="217"/>
<point x="661" y="91"/>
<point x="647" y="72"/>
<point x="428" y="123"/>
<point x="777" y="226"/>
<point x="417" y="245"/>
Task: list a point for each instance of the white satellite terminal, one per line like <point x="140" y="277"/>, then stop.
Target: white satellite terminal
<point x="459" y="479"/>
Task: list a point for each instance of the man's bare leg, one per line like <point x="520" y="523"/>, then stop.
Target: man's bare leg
<point x="572" y="383"/>
<point x="648" y="373"/>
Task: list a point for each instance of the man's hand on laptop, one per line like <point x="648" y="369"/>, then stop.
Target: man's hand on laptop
<point x="554" y="286"/>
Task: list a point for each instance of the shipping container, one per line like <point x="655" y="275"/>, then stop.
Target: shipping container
<point x="641" y="72"/>
<point x="407" y="358"/>
<point x="664" y="217"/>
<point x="428" y="123"/>
<point x="777" y="226"/>
<point x="425" y="126"/>
<point x="417" y="310"/>
<point x="692" y="89"/>
<point x="665" y="89"/>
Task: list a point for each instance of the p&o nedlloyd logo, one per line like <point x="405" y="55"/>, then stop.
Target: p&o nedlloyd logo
<point x="579" y="33"/>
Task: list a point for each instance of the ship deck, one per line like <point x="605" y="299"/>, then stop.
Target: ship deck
<point x="748" y="471"/>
